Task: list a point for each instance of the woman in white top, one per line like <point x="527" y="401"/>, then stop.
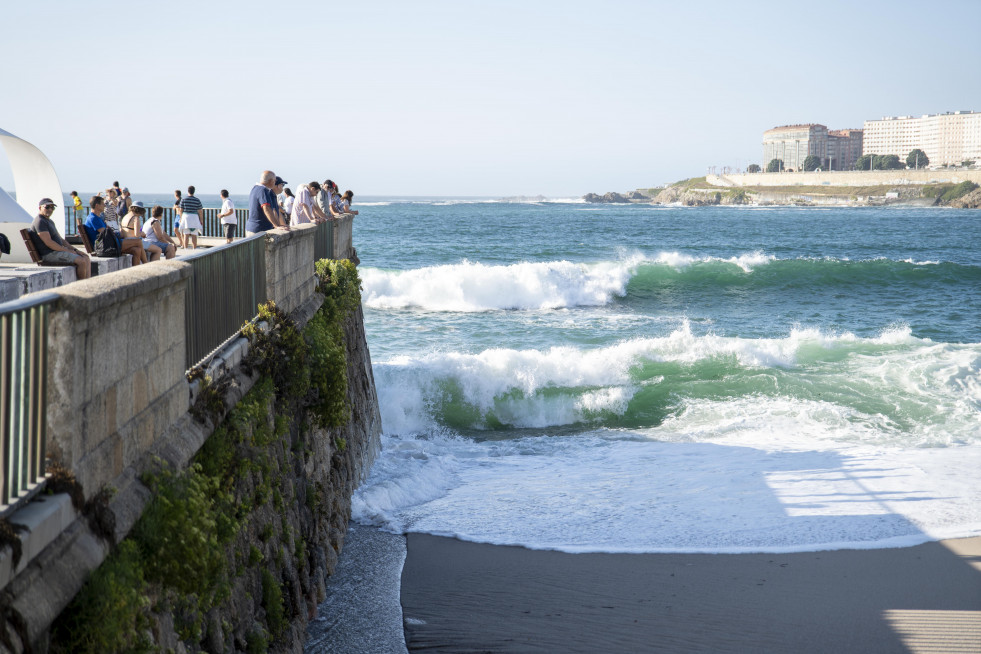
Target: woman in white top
<point x="154" y="233"/>
<point x="288" y="202"/>
<point x="346" y="202"/>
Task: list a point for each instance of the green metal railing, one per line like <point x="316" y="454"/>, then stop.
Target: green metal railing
<point x="211" y="224"/>
<point x="23" y="397"/>
<point x="226" y="286"/>
<point x="323" y="243"/>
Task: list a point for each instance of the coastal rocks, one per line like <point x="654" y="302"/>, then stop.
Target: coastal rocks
<point x="669" y="195"/>
<point x="970" y="201"/>
<point x="688" y="197"/>
<point x="607" y="198"/>
<point x="612" y="197"/>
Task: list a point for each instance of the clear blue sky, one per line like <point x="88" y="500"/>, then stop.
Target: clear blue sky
<point x="459" y="97"/>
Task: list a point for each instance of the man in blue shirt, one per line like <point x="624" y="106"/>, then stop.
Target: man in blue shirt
<point x="263" y="208"/>
<point x="94" y="224"/>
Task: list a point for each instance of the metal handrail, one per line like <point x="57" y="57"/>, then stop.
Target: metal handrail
<point x="23" y="397"/>
<point x="210" y="223"/>
<point x="227" y="284"/>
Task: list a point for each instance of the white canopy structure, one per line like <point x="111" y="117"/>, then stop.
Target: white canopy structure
<point x="34" y="178"/>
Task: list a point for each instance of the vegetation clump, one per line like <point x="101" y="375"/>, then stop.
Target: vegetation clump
<point x="957" y="191"/>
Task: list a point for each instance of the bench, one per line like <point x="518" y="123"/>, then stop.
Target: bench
<point x="32" y="250"/>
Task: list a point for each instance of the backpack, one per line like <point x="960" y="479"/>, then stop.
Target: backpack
<point x="107" y="244"/>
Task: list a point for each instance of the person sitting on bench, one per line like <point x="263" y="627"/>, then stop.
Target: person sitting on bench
<point x="51" y="247"/>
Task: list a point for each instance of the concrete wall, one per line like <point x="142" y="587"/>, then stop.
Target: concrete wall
<point x="289" y="266"/>
<point x="343" y="230"/>
<point x="116" y="368"/>
<point x="849" y="178"/>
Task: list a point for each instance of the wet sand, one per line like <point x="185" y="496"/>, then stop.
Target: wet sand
<point x="469" y="597"/>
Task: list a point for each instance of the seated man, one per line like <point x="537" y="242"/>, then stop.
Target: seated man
<point x="94" y="226"/>
<point x="51" y="247"/>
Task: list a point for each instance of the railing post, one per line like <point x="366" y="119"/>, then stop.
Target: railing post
<point x="23" y="397"/>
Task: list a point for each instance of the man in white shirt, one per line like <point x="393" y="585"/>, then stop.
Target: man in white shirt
<point x="227" y="215"/>
<point x="304" y="208"/>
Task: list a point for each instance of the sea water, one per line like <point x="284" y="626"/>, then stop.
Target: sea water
<point x="637" y="378"/>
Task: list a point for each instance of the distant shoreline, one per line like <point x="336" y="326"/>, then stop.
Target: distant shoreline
<point x="949" y="188"/>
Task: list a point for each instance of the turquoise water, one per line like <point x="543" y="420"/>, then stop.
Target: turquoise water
<point x="599" y="377"/>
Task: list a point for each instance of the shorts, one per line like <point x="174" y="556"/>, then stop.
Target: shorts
<point x="229" y="229"/>
<point x="60" y="256"/>
<point x="163" y="245"/>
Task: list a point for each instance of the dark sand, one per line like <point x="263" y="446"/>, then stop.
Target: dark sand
<point x="469" y="597"/>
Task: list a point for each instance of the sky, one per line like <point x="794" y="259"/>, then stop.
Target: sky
<point x="459" y="97"/>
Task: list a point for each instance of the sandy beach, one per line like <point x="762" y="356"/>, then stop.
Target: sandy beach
<point x="468" y="597"/>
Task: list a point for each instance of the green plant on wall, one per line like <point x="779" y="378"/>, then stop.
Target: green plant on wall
<point x="278" y="352"/>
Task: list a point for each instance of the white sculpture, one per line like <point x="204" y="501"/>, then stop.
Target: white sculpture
<point x="34" y="178"/>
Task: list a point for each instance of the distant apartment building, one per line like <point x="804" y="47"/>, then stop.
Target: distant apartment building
<point x="791" y="144"/>
<point x="948" y="138"/>
<point x="844" y="148"/>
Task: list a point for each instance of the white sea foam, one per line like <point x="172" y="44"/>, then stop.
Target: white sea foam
<point x="906" y="390"/>
<point x="470" y="286"/>
<point x="745" y="261"/>
<point x="750" y="473"/>
<point x="479" y="287"/>
<point x="603" y="492"/>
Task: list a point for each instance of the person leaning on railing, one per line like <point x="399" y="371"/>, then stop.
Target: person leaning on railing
<point x="51" y="247"/>
<point x="346" y="201"/>
<point x="263" y="208"/>
<point x="304" y="208"/>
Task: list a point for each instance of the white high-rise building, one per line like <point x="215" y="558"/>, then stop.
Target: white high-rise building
<point x="949" y="138"/>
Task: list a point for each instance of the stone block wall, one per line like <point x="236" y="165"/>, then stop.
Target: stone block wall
<point x="343" y="237"/>
<point x="289" y="267"/>
<point x="118" y="397"/>
<point x="849" y="178"/>
<point x="116" y="368"/>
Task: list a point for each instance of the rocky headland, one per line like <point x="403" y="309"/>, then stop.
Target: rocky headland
<point x="699" y="192"/>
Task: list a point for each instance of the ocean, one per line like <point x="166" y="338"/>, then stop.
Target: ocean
<point x="636" y="378"/>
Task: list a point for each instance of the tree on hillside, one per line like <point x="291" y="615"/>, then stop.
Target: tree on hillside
<point x="774" y="166"/>
<point x="862" y="163"/>
<point x="812" y="163"/>
<point x="888" y="162"/>
<point x="753" y="168"/>
<point x="917" y="159"/>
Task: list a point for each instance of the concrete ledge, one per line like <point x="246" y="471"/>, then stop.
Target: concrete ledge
<point x="45" y="517"/>
<point x="104" y="265"/>
<point x="9" y="288"/>
<point x="34" y="279"/>
<point x="102" y="292"/>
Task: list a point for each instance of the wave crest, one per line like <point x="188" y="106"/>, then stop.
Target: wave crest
<point x="471" y="286"/>
<point x="891" y="388"/>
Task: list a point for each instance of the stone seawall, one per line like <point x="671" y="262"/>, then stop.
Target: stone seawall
<point x="848" y="178"/>
<point x="116" y="419"/>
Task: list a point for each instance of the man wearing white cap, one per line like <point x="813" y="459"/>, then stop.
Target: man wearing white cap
<point x="51" y="247"/>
